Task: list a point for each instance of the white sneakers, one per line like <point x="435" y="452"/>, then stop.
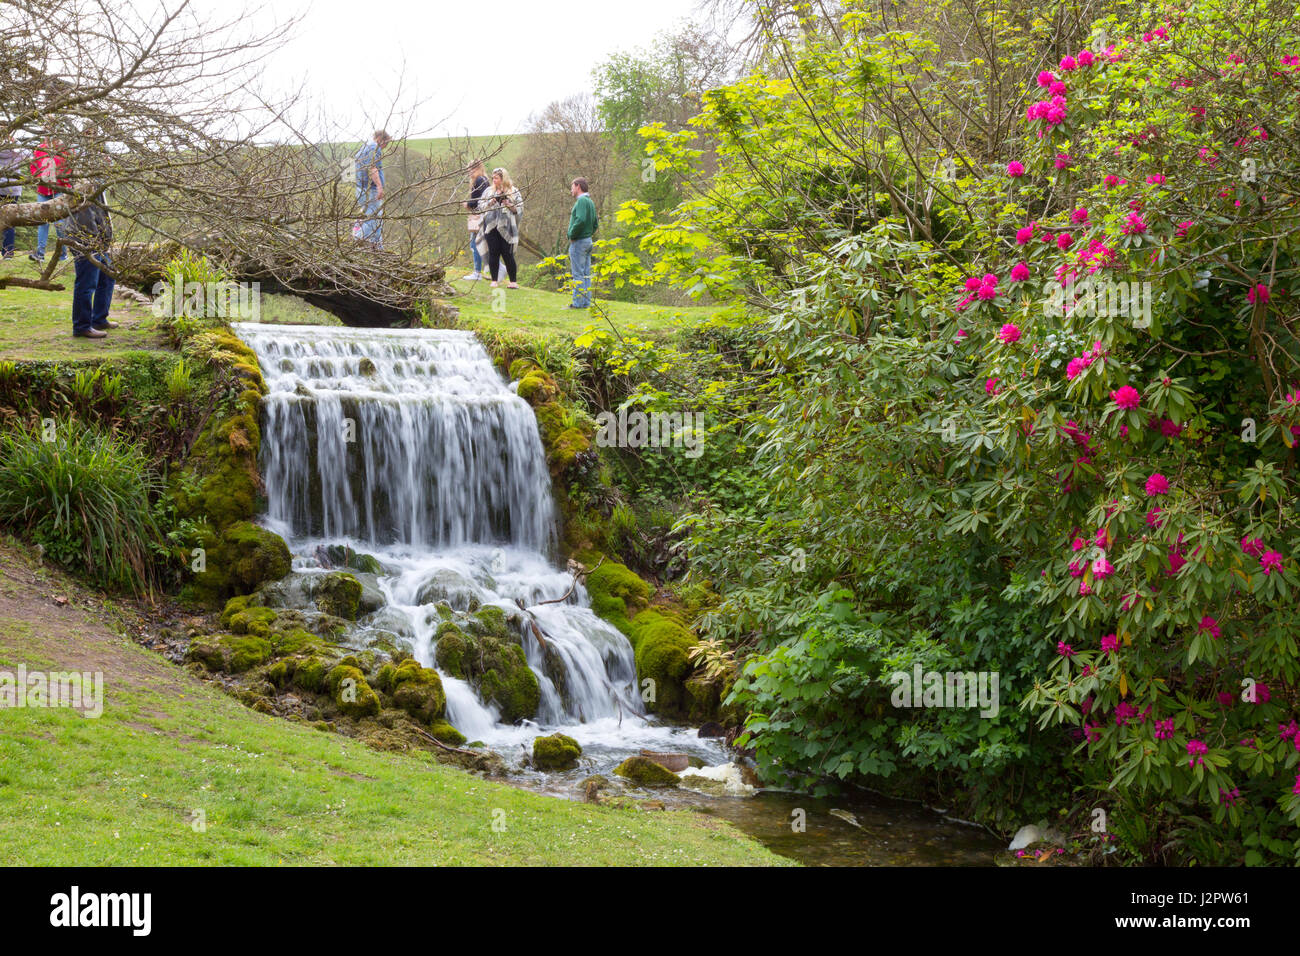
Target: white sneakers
<point x="472" y="277"/>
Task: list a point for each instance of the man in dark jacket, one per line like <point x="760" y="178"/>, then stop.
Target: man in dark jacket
<point x="582" y="229"/>
<point x="90" y="235"/>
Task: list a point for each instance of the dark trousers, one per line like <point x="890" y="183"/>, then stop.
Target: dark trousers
<point x="7" y="243"/>
<point x="499" y="249"/>
<point x="92" y="293"/>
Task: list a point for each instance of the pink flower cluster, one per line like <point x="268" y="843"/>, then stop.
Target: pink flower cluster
<point x="1210" y="626"/>
<point x="1077" y="365"/>
<point x="984" y="289"/>
<point x="1269" y="560"/>
<point x="1126" y="397"/>
<point x="1196" y="751"/>
<point x="1009" y="333"/>
<point x="1110" y="644"/>
<point x="1164" y="729"/>
<point x="1157" y="484"/>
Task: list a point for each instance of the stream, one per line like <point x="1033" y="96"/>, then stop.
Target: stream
<point x="409" y="447"/>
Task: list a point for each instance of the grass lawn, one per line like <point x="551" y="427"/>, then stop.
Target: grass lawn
<point x="126" y="788"/>
<point x="536" y="310"/>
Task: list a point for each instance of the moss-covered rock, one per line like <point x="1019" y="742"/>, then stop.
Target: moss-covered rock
<point x="616" y="592"/>
<point x="562" y="453"/>
<point x="351" y="694"/>
<point x="538" y="388"/>
<point x="309" y="674"/>
<point x="252" y="620"/>
<point x="644" y="772"/>
<point x="492" y="620"/>
<point x="662" y="648"/>
<point x="342" y="556"/>
<point x="233" y="653"/>
<point x="450" y="651"/>
<point x="418" y="691"/>
<point x="238" y="560"/>
<point x="556" y="752"/>
<point x="521" y="367"/>
<point x="337" y="593"/>
<point x="494" y="665"/>
<point x="446" y="733"/>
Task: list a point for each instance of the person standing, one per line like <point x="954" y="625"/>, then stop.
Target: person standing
<point x="11" y="191"/>
<point x="47" y="160"/>
<point x="501" y="205"/>
<point x="369" y="163"/>
<point x="582" y="229"/>
<point x="91" y="234"/>
<point x="478" y="177"/>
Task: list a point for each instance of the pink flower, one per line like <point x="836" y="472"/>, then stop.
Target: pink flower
<point x="961" y="306"/>
<point x="1157" y="484"/>
<point x="1296" y="788"/>
<point x="1135" y="225"/>
<point x="1009" y="333"/>
<point x="1110" y="644"/>
<point x="1093" y="733"/>
<point x="1058" y="88"/>
<point x="1153" y="518"/>
<point x="1015" y="170"/>
<point x="1126" y="397"/>
<point x="1024" y="235"/>
<point x="1019" y="272"/>
<point x="1046" y="78"/>
<point x="1183" y="226"/>
<point x="1111" y="181"/>
<point x="1253" y="546"/>
<point x="1258" y="293"/>
<point x="1084" y="589"/>
<point x="1164" y="728"/>
<point x="1225" y="698"/>
<point x="1262" y="694"/>
<point x="1099" y="539"/>
<point x="1068" y="64"/>
<point x="1064" y="241"/>
<point x="1064" y="649"/>
<point x="961" y="334"/>
<point x="1063" y="161"/>
<point x="989" y="279"/>
<point x="1155" y="179"/>
<point x="1271" y="561"/>
<point x="986" y="292"/>
<point x="991" y="386"/>
<point x="1086" y="58"/>
<point x="973" y="284"/>
<point x="1101" y="569"/>
<point x="1196" y="750"/>
<point x="1076" y="569"/>
<point x="1210" y="626"/>
<point x="1075" y="368"/>
<point x="1079" y="215"/>
<point x="1124" y="713"/>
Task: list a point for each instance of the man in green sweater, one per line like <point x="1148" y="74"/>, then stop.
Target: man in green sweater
<point x="582" y="227"/>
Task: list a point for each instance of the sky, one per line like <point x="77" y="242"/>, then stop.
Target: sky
<point x="476" y="68"/>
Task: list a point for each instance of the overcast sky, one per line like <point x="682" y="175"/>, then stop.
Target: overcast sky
<point x="480" y="68"/>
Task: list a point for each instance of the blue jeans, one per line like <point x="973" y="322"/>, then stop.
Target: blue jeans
<point x="473" y="247"/>
<point x="372" y="229"/>
<point x="7" y="243"/>
<point x="43" y="234"/>
<point x="92" y="293"/>
<point x="580" y="269"/>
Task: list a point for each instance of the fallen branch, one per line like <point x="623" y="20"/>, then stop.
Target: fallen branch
<point x="576" y="575"/>
<point x="455" y="750"/>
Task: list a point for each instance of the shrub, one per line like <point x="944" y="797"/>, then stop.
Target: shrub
<point x="84" y="496"/>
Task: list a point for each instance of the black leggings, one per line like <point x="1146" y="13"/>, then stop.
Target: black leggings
<point x="499" y="249"/>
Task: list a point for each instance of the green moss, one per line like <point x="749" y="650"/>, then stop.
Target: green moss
<point x="281" y="672"/>
<point x="564" y="450"/>
<point x="492" y="620"/>
<point x="252" y="620"/>
<point x="309" y="674"/>
<point x="644" y="772"/>
<point x="418" y="691"/>
<point x="353" y="696"/>
<point x="521" y="367"/>
<point x="556" y="752"/>
<point x="342" y="556"/>
<point x="293" y="641"/>
<point x="450" y="651"/>
<point x="538" y="388"/>
<point x="662" y="647"/>
<point x="233" y="607"/>
<point x="511" y="683"/>
<point x="337" y="593"/>
<point x="616" y="592"/>
<point x="448" y="734"/>
<point x="240" y="559"/>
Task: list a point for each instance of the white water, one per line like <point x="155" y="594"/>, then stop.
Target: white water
<point x="444" y="481"/>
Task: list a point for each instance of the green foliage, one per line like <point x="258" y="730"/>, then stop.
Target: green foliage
<point x="84" y="496"/>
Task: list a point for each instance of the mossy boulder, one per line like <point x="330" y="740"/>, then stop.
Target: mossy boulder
<point x="352" y="695"/>
<point x="521" y="367"/>
<point x="239" y="559"/>
<point x="644" y="772"/>
<point x="563" y="451"/>
<point x="616" y="592"/>
<point x="492" y="620"/>
<point x="418" y="691"/>
<point x="309" y="674"/>
<point x="538" y="388"/>
<point x="662" y="655"/>
<point x="494" y="665"/>
<point x="337" y="593"/>
<point x="342" y="556"/>
<point x="252" y="620"/>
<point x="556" y="752"/>
<point x="233" y="653"/>
<point x="446" y="733"/>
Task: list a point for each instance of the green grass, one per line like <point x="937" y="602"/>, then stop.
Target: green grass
<point x="124" y="788"/>
<point x="37" y="325"/>
<point x="547" y="313"/>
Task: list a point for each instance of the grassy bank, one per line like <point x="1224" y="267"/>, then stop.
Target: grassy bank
<point x="126" y="788"/>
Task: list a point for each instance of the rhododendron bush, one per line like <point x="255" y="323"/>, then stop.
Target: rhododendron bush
<point x="1033" y="398"/>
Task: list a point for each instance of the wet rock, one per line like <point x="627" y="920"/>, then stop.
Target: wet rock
<point x="644" y="772"/>
<point x="724" y="780"/>
<point x="712" y="729"/>
<point x="674" y="762"/>
<point x="556" y="752"/>
<point x="1025" y="836"/>
<point x="592" y="786"/>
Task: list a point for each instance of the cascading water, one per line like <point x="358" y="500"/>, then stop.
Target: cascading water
<point x="409" y="446"/>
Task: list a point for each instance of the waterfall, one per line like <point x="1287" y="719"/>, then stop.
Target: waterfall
<point x="411" y="447"/>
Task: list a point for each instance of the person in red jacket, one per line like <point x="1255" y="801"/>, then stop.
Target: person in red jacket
<point x="47" y="161"/>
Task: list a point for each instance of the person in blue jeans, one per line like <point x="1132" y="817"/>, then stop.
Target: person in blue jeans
<point x="582" y="230"/>
<point x="91" y="234"/>
<point x="11" y="191"/>
<point x="369" y="163"/>
<point x="43" y="236"/>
